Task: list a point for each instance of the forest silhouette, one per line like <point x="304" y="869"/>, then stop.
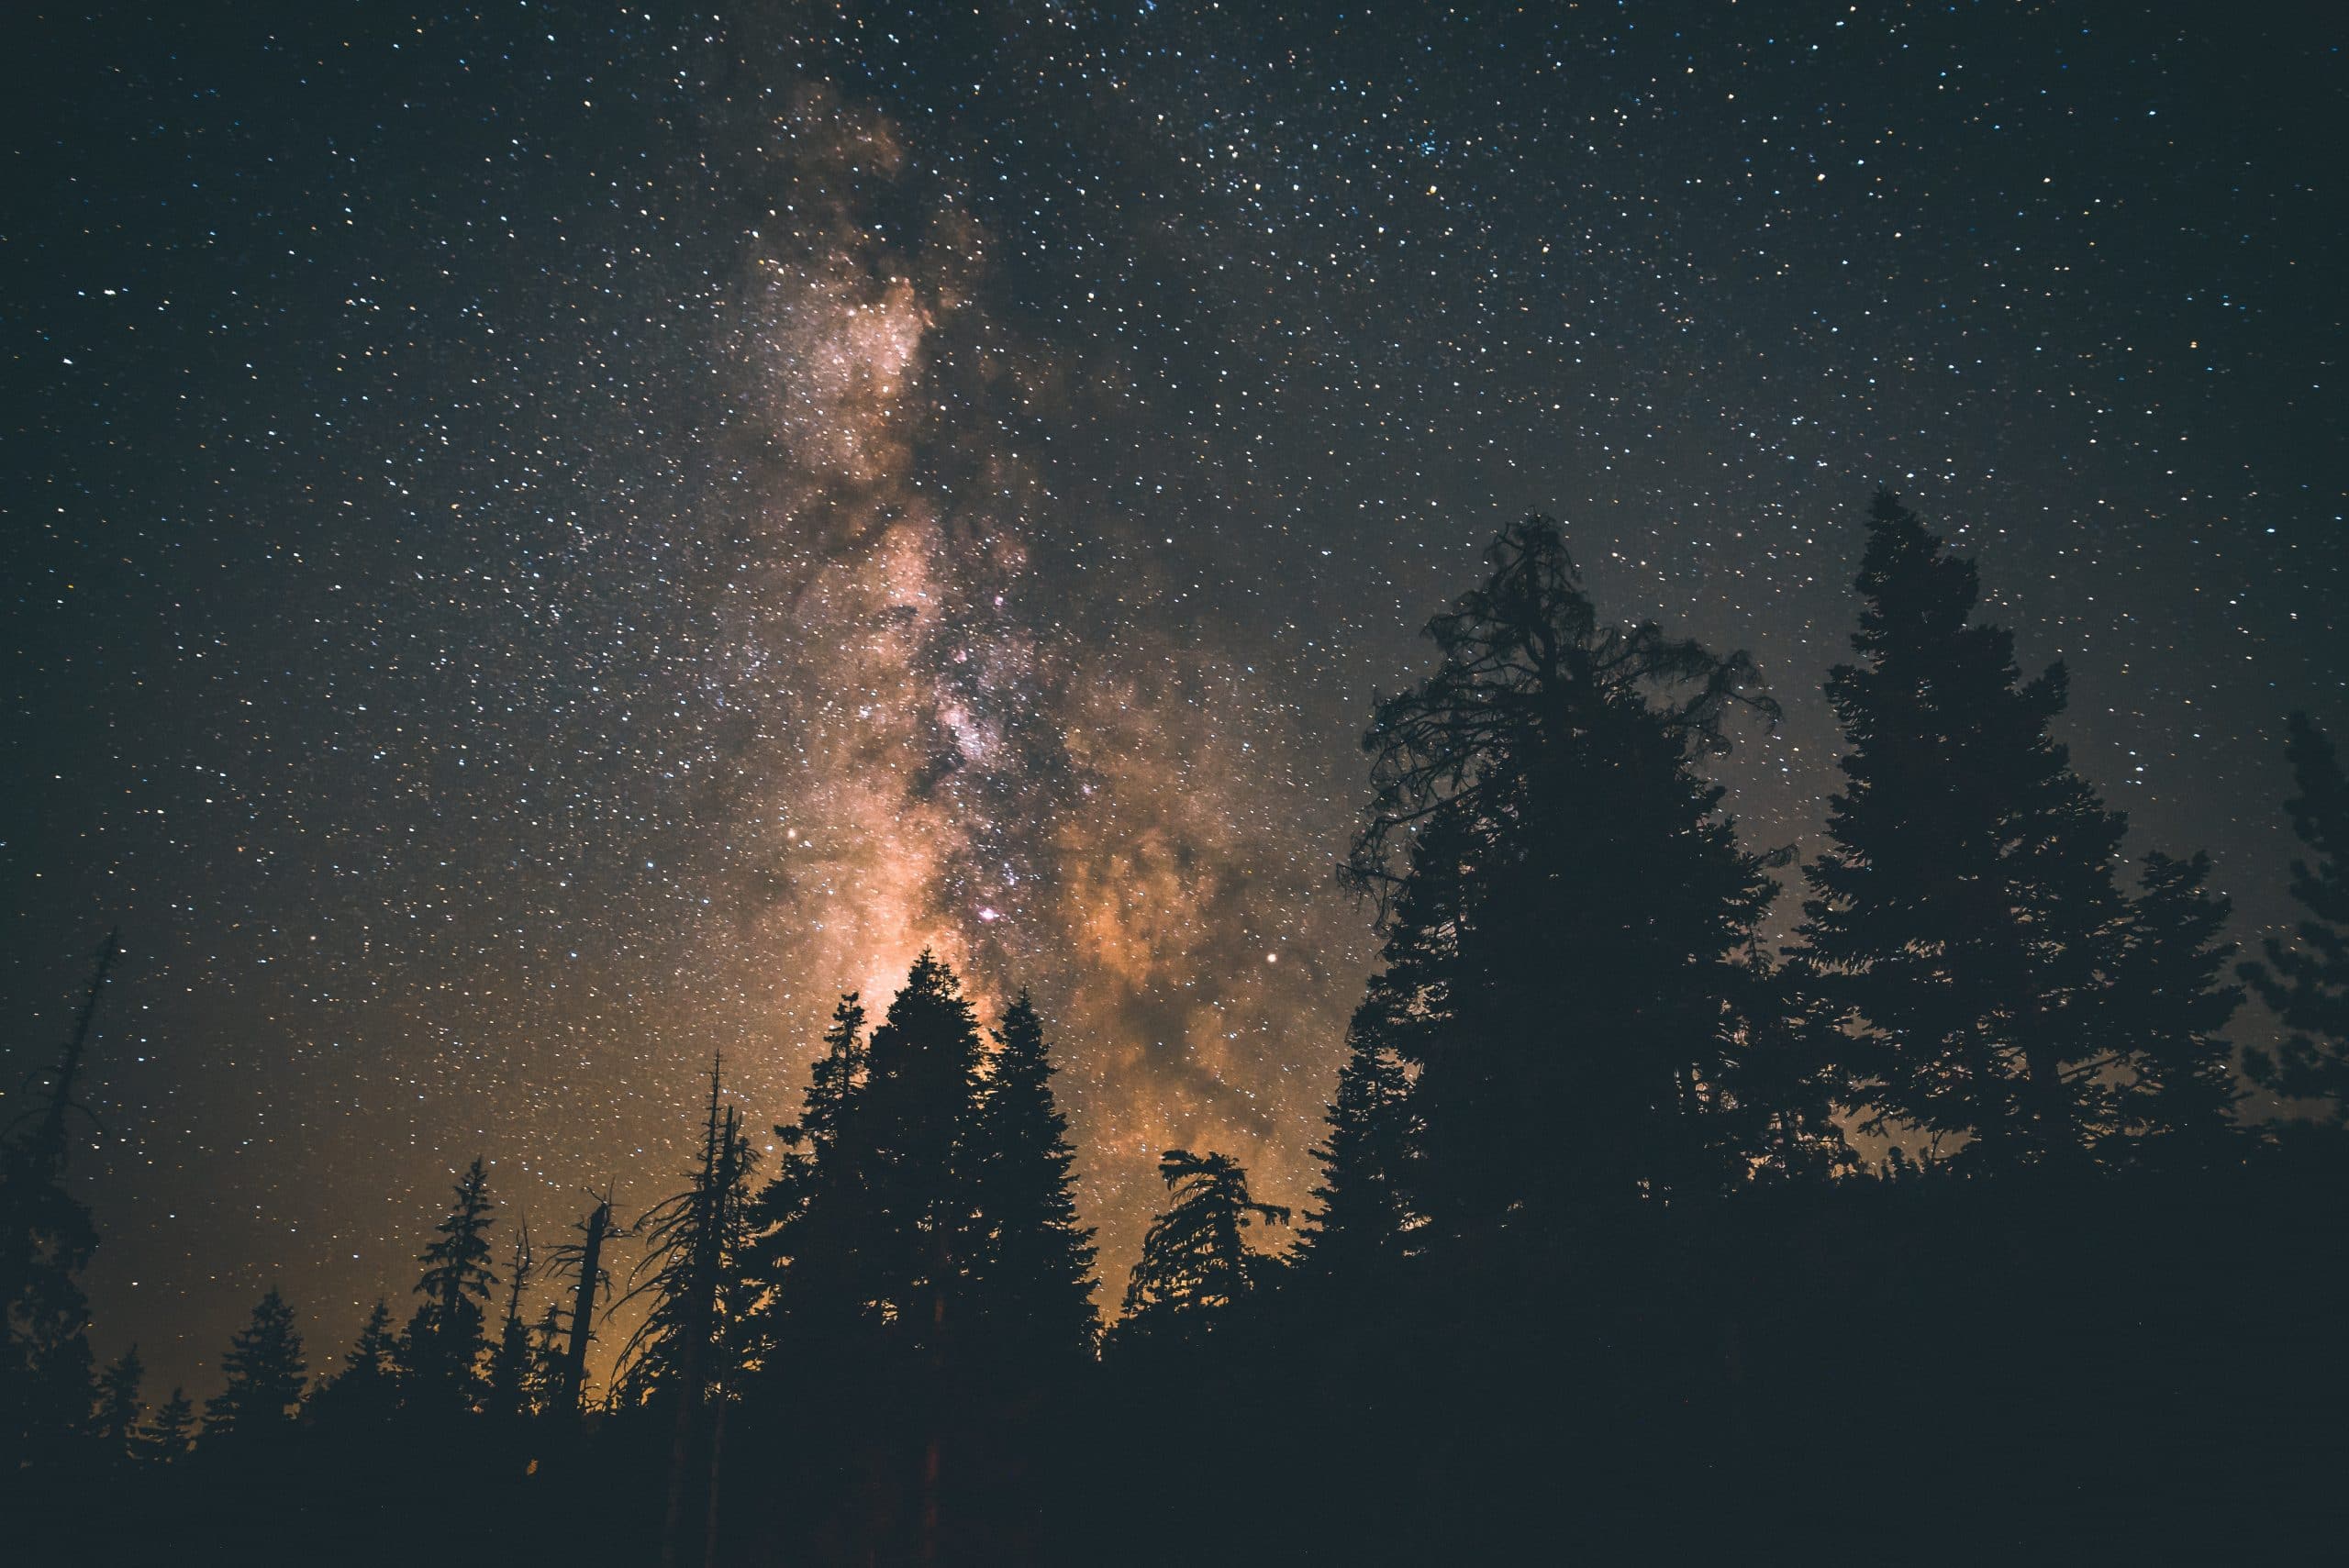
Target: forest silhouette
<point x="1937" y="1227"/>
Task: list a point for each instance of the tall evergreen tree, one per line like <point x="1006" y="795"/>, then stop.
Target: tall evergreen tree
<point x="1195" y="1262"/>
<point x="1588" y="900"/>
<point x="172" y="1433"/>
<point x="2306" y="982"/>
<point x="1363" y="1212"/>
<point x="366" y="1391"/>
<point x="1964" y="922"/>
<point x="808" y="1257"/>
<point x="910" y="1143"/>
<point x="2179" y="1109"/>
<point x="114" y="1418"/>
<point x="1036" y="1270"/>
<point x="445" y="1336"/>
<point x="265" y="1373"/>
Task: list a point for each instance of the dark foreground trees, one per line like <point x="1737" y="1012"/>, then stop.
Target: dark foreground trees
<point x="1591" y="1271"/>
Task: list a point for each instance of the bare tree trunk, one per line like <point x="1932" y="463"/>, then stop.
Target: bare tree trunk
<point x="583" y="1308"/>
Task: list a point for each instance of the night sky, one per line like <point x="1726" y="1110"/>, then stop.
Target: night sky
<point x="546" y="541"/>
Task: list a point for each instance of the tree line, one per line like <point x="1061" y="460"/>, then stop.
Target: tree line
<point x="1580" y="1038"/>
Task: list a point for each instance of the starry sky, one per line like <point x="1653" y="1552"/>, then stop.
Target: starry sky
<point x="545" y="540"/>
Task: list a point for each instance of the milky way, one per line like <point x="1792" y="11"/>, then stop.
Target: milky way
<point x="551" y="540"/>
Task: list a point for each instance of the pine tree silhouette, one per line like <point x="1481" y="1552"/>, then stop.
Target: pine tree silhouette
<point x="2180" y="1102"/>
<point x="114" y="1418"/>
<point x="1037" y="1279"/>
<point x="691" y="1270"/>
<point x="265" y="1373"/>
<point x="1963" y="919"/>
<point x="809" y="1257"/>
<point x="1363" y="1212"/>
<point x="445" y="1337"/>
<point x="1195" y="1263"/>
<point x="2306" y="982"/>
<point x="367" y="1390"/>
<point x="1588" y="902"/>
<point x="172" y="1433"/>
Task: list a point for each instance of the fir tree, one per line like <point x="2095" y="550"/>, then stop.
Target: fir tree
<point x="172" y="1433"/>
<point x="445" y="1337"/>
<point x="265" y="1373"/>
<point x="2182" y="1089"/>
<point x="807" y="1259"/>
<point x="1362" y="1214"/>
<point x="1963" y="920"/>
<point x="1037" y="1279"/>
<point x="910" y="1144"/>
<point x="114" y="1418"/>
<point x="366" y="1390"/>
<point x="1195" y="1263"/>
<point x="2306" y="982"/>
<point x="1580" y="934"/>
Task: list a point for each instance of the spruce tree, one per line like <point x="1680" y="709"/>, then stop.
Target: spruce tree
<point x="2306" y="982"/>
<point x="265" y="1373"/>
<point x="1363" y="1215"/>
<point x="808" y="1256"/>
<point x="692" y="1270"/>
<point x="114" y="1418"/>
<point x="1580" y="934"/>
<point x="445" y="1336"/>
<point x="2179" y="1101"/>
<point x="1038" y="1283"/>
<point x="1964" y="923"/>
<point x="1195" y="1262"/>
<point x="911" y="1143"/>
<point x="172" y="1433"/>
<point x="366" y="1391"/>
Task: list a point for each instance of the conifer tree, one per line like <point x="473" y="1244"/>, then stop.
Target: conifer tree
<point x="1362" y="1213"/>
<point x="1964" y="921"/>
<point x="114" y="1418"/>
<point x="265" y="1373"/>
<point x="1195" y="1263"/>
<point x="1588" y="900"/>
<point x="692" y="1270"/>
<point x="445" y="1337"/>
<point x="366" y="1390"/>
<point x="911" y="1143"/>
<point x="2306" y="982"/>
<point x="2180" y="1097"/>
<point x="807" y="1259"/>
<point x="1037" y="1282"/>
<point x="172" y="1433"/>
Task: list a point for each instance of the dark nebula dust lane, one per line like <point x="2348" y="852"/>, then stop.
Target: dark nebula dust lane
<point x="547" y="540"/>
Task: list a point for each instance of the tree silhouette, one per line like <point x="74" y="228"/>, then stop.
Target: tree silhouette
<point x="1195" y="1262"/>
<point x="511" y="1362"/>
<point x="582" y="1262"/>
<point x="367" y="1389"/>
<point x="2180" y="1098"/>
<point x="696" y="1240"/>
<point x="265" y="1373"/>
<point x="445" y="1337"/>
<point x="172" y="1433"/>
<point x="1589" y="901"/>
<point x="2306" y="982"/>
<point x="809" y="1257"/>
<point x="1963" y="921"/>
<point x="1362" y="1211"/>
<point x="1037" y="1270"/>
<point x="114" y="1416"/>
